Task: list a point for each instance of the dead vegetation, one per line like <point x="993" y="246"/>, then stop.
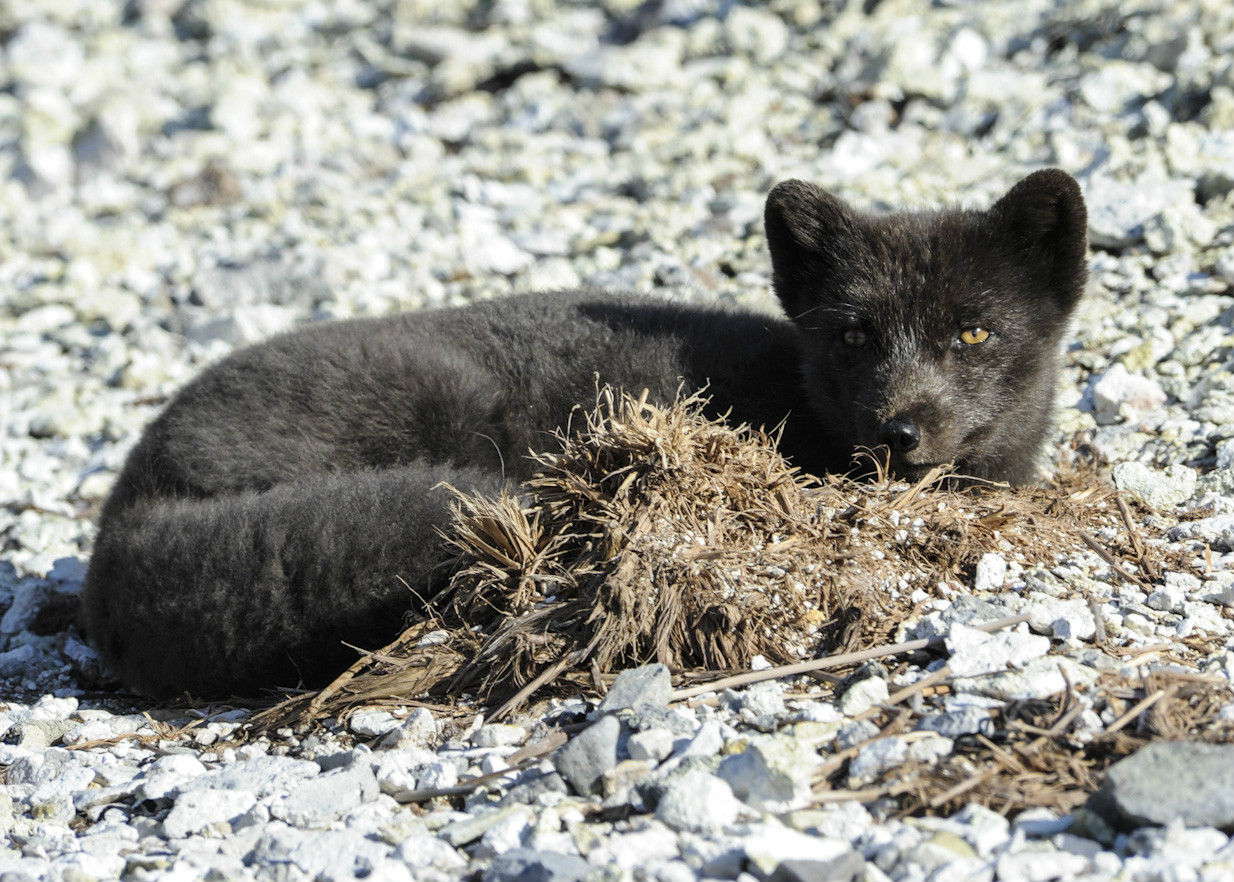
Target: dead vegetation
<point x="658" y="534"/>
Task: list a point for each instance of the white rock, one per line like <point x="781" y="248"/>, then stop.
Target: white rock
<point x="1161" y="489"/>
<point x="372" y="722"/>
<point x="318" y="801"/>
<point x="1117" y="388"/>
<point x="773" y="773"/>
<point x="1031" y="866"/>
<point x="699" y="802"/>
<point x="974" y="652"/>
<point x="875" y="758"/>
<point x="198" y="810"/>
<point x="651" y="744"/>
<point x="423" y="850"/>
<point x="508" y="833"/>
<point x="863" y="695"/>
<point x="771" y="845"/>
<point x="1063" y="619"/>
<point x="1039" y="678"/>
<point x="499" y="735"/>
<point x="991" y="572"/>
<point x="419" y="729"/>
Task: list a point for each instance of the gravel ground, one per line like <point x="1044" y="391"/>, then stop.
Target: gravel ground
<point x="179" y="178"/>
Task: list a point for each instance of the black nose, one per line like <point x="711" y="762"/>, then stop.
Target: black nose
<point x="900" y="434"/>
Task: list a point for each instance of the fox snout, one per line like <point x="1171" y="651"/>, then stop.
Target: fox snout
<point x="899" y="434"/>
<point x="915" y="422"/>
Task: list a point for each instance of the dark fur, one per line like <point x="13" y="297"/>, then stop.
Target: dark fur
<point x="286" y="501"/>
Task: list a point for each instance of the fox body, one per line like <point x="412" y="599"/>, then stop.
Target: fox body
<point x="287" y="501"/>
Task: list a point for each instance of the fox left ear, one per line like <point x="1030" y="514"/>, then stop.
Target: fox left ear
<point x="1044" y="219"/>
<point x="810" y="234"/>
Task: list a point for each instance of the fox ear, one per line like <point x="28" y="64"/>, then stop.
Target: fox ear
<point x="1044" y="220"/>
<point x="807" y="229"/>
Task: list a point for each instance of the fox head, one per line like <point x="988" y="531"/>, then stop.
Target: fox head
<point x="932" y="337"/>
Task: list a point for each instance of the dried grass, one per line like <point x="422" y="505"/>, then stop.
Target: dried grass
<point x="658" y="534"/>
<point x="1040" y="758"/>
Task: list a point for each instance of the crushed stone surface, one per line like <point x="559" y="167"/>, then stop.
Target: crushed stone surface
<point x="181" y="177"/>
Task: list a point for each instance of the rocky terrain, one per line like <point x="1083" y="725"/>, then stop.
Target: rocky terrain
<point x="181" y="177"/>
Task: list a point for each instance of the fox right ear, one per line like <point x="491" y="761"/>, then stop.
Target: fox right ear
<point x="806" y="227"/>
<point x="1044" y="218"/>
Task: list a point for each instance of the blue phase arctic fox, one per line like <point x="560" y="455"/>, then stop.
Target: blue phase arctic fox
<point x="286" y="500"/>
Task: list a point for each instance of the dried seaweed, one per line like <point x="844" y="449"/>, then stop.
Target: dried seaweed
<point x="658" y="534"/>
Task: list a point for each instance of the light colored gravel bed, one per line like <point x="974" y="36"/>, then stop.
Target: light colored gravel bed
<point x="180" y="177"/>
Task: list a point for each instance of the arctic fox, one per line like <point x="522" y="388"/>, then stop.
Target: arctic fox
<point x="287" y="501"/>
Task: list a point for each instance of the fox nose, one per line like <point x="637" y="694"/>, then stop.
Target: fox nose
<point x="900" y="434"/>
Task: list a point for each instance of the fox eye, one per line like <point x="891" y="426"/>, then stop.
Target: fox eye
<point x="854" y="337"/>
<point x="973" y="336"/>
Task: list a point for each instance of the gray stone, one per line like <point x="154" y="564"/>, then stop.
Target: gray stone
<point x="262" y="775"/>
<point x="471" y="829"/>
<point x="637" y="687"/>
<point x="1217" y="531"/>
<point x="650" y="716"/>
<point x="589" y="754"/>
<point x="535" y="789"/>
<point x="1117" y="388"/>
<point x="1161" y="489"/>
<point x="773" y="773"/>
<point x="699" y="802"/>
<point x="530" y="865"/>
<point x="320" y="800"/>
<point x="17" y="661"/>
<point x="991" y="572"/>
<point x="784" y="855"/>
<point x="958" y="723"/>
<point x="206" y="810"/>
<point x="28" y="599"/>
<point x="1166" y="781"/>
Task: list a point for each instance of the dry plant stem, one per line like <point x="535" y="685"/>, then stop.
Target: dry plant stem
<point x="465" y="787"/>
<point x="1136" y="709"/>
<point x="824" y="771"/>
<point x="835" y="661"/>
<point x="963" y="787"/>
<point x="547" y="744"/>
<point x="366" y="658"/>
<point x="1147" y="567"/>
<point x="898" y="696"/>
<point x="1115" y="564"/>
<point x="869" y="794"/>
<point x="1063" y="722"/>
<point x="546" y="676"/>
<point x="523" y="759"/>
<point x="1094" y="607"/>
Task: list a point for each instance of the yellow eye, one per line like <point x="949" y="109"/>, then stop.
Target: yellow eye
<point x="855" y="337"/>
<point x="973" y="336"/>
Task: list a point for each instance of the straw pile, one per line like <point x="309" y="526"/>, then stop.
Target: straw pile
<point x="660" y="534"/>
